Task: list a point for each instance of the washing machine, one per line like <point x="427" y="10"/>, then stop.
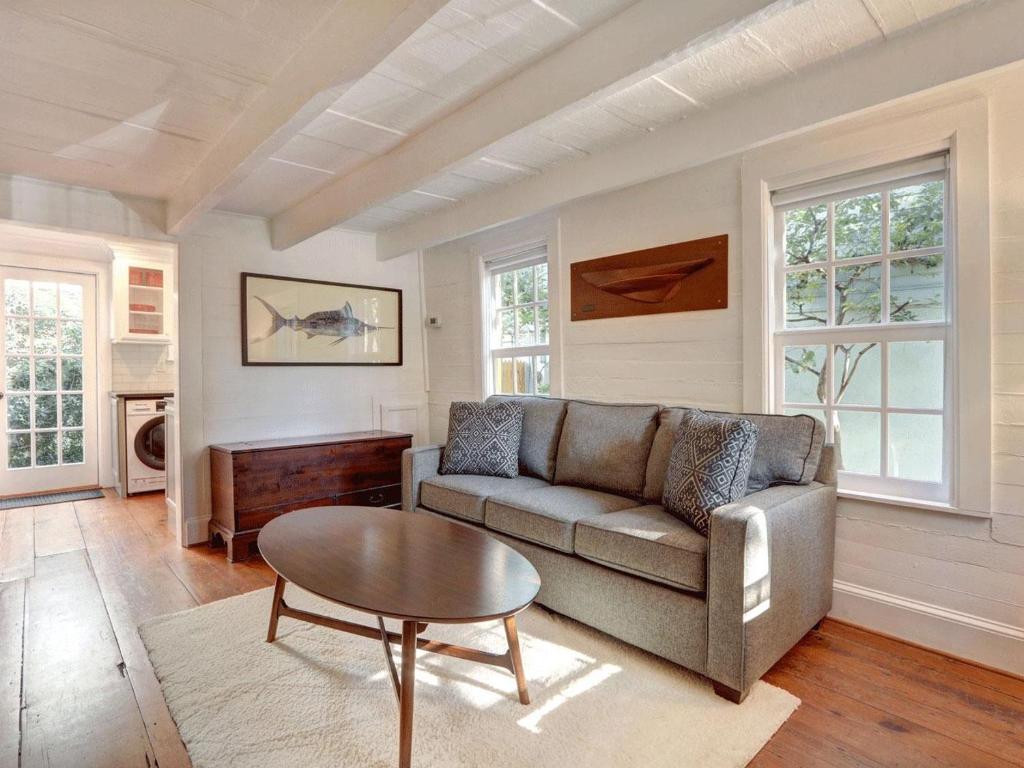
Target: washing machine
<point x="145" y="467"/>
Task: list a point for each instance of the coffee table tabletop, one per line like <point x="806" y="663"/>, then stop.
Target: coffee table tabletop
<point x="402" y="565"/>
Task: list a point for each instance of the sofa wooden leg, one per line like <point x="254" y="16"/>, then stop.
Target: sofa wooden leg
<point x="730" y="694"/>
<point x="817" y="626"/>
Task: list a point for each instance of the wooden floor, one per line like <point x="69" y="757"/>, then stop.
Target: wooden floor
<point x="76" y="687"/>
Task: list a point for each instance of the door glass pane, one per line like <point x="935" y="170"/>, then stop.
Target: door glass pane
<point x="44" y="337"/>
<point x="71" y="337"/>
<point x="46" y="449"/>
<point x="45" y="411"/>
<point x="915" y="446"/>
<point x="19" y="414"/>
<point x="807" y="234"/>
<point x="72" y="447"/>
<point x="71" y="373"/>
<point x="44" y="299"/>
<point x="915" y="216"/>
<point x="18" y="378"/>
<point x="543" y="369"/>
<point x="71" y="410"/>
<point x="857" y="377"/>
<point x="71" y="301"/>
<point x="806" y="302"/>
<point x="859" y="294"/>
<point x="16" y="297"/>
<point x="19" y="450"/>
<point x="858" y="229"/>
<point x="17" y="336"/>
<point x="805" y="380"/>
<point x="916" y="289"/>
<point x="859" y="437"/>
<point x="46" y="374"/>
<point x="916" y="374"/>
<point x="524" y="375"/>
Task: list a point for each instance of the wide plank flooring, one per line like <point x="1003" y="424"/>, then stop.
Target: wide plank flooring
<point x="77" y="689"/>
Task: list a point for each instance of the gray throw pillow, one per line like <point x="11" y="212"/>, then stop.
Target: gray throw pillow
<point x="483" y="439"/>
<point x="709" y="466"/>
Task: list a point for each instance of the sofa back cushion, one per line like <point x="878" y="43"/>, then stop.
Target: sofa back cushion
<point x="606" y="446"/>
<point x="787" y="453"/>
<point x="542" y="426"/>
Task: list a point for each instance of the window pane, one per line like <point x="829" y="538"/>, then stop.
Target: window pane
<point x="506" y="295"/>
<point x="542" y="282"/>
<point x="916" y="378"/>
<point x="504" y="378"/>
<point x="858" y="294"/>
<point x="16" y="336"/>
<point x="71" y="410"/>
<point x="524" y="285"/>
<point x="19" y="451"/>
<point x="18" y="374"/>
<point x="46" y="449"/>
<point x="46" y="411"/>
<point x="543" y="372"/>
<point x="44" y="300"/>
<point x="858" y="229"/>
<point x="807" y="234"/>
<point x="71" y="301"/>
<point x="46" y="374"/>
<point x="916" y="289"/>
<point x="524" y="375"/>
<point x="857" y="377"/>
<point x="806" y="302"/>
<point x="525" y="326"/>
<point x="915" y="447"/>
<point x="72" y="448"/>
<point x="71" y="373"/>
<point x="71" y="337"/>
<point x="859" y="437"/>
<point x="18" y="413"/>
<point x="16" y="297"/>
<point x="506" y="328"/>
<point x="805" y="374"/>
<point x="45" y="337"/>
<point x="542" y="324"/>
<point x="915" y="216"/>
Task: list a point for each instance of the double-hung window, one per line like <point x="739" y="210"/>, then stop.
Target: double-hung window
<point x="862" y="323"/>
<point x="518" y="323"/>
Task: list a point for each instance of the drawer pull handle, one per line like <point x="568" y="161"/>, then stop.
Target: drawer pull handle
<point x="375" y="498"/>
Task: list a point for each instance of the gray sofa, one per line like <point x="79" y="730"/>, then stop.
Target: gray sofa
<point x="586" y="512"/>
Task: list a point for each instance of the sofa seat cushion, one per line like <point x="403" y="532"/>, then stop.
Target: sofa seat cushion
<point x="648" y="542"/>
<point x="464" y="495"/>
<point x="549" y="515"/>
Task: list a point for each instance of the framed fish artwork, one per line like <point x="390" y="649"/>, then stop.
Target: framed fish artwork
<point x="294" y="321"/>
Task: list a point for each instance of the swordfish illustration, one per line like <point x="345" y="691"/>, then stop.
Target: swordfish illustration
<point x="341" y="323"/>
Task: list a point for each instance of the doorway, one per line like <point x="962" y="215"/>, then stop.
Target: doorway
<point x="48" y="384"/>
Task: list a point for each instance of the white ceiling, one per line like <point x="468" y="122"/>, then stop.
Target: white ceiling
<point x="130" y="95"/>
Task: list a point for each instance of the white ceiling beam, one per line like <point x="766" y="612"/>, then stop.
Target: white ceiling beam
<point x="350" y="41"/>
<point x="644" y="36"/>
<point x="985" y="37"/>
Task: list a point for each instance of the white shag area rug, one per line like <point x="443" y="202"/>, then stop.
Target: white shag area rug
<point x="319" y="697"/>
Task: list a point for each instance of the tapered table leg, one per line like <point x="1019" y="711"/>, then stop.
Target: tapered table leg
<point x="407" y="692"/>
<point x="275" y="609"/>
<point x="517" y="660"/>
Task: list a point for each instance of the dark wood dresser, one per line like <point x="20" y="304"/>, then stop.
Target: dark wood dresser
<point x="254" y="482"/>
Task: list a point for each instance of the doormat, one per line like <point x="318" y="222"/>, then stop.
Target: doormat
<point x="42" y="499"/>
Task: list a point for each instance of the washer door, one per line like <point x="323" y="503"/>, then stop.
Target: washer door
<point x="149" y="443"/>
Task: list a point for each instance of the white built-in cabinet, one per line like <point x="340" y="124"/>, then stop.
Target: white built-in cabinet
<point x="143" y="299"/>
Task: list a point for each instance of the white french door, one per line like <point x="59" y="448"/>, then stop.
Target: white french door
<point x="47" y="381"/>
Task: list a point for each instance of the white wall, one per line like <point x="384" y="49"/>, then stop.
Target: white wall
<point x="947" y="581"/>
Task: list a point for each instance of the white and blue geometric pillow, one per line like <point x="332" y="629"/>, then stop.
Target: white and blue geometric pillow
<point x="483" y="439"/>
<point x="709" y="466"/>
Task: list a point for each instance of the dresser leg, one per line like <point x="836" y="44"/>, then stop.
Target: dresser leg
<point x="275" y="609"/>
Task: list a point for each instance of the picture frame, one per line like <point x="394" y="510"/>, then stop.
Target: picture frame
<point x="301" y="321"/>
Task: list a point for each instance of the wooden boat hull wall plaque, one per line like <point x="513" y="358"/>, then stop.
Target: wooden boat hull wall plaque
<point x="681" y="277"/>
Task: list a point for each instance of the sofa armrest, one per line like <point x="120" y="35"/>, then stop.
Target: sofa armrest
<point x="770" y="559"/>
<point x="418" y="464"/>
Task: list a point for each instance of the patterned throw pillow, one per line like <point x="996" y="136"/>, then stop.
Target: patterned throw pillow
<point x="709" y="466"/>
<point x="483" y="439"/>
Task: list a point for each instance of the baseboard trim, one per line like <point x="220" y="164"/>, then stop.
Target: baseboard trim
<point x="964" y="635"/>
<point x="197" y="530"/>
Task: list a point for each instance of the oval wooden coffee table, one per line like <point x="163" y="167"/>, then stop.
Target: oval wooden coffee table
<point x="409" y="566"/>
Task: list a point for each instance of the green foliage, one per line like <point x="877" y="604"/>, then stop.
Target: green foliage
<point x="858" y="226"/>
<point x="916" y="216"/>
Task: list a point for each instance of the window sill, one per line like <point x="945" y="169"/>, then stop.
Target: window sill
<point x="899" y="501"/>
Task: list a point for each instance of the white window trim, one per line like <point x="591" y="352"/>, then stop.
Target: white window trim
<point x="496" y="263"/>
<point x="960" y="129"/>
